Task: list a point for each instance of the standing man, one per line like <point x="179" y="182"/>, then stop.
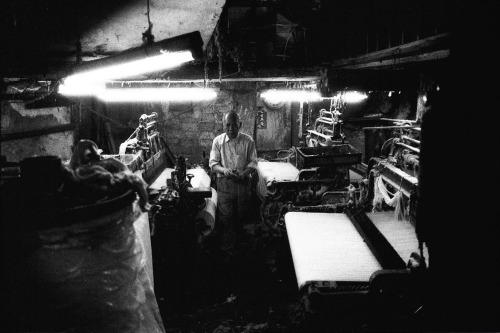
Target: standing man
<point x="233" y="158"/>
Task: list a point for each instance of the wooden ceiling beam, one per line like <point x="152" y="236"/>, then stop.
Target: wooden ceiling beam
<point x="400" y="61"/>
<point x="431" y="48"/>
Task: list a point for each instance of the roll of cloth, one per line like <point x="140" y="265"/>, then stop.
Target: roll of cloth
<point x="206" y="217"/>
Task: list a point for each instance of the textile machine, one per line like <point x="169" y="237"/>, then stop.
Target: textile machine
<point x="145" y="151"/>
<point x="319" y="176"/>
<point x="183" y="218"/>
<point x="312" y="177"/>
<point x="392" y="176"/>
<point x="327" y="130"/>
<point x="364" y="262"/>
<point x="183" y="206"/>
<point x="353" y="269"/>
<point x="174" y="190"/>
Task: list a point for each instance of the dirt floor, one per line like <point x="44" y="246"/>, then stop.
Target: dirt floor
<point x="253" y="290"/>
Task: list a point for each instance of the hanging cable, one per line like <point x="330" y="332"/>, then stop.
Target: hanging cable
<point x="78" y="46"/>
<point x="147" y="36"/>
<point x="219" y="50"/>
<point x="205" y="68"/>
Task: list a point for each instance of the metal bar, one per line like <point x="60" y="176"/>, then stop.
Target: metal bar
<point x="319" y="134"/>
<point x="378" y="244"/>
<point x="291" y="184"/>
<point x="398" y="178"/>
<point x="390" y="127"/>
<point x="243" y="79"/>
<point x="399" y="120"/>
<point x="410" y="139"/>
<point x="38" y="132"/>
<point x="416" y="150"/>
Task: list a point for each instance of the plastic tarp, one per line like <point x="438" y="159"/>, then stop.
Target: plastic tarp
<point x="94" y="276"/>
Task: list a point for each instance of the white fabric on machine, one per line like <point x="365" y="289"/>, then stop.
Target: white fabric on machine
<point x="270" y="172"/>
<point x="200" y="179"/>
<point x="161" y="181"/>
<point x="401" y="234"/>
<point x="327" y="247"/>
<point x="382" y="194"/>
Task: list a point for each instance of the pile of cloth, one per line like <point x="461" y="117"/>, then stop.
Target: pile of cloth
<point x="90" y="178"/>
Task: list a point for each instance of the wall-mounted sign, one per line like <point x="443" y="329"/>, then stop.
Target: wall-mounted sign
<point x="261" y="119"/>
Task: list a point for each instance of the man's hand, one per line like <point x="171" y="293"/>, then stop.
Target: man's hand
<point x="244" y="175"/>
<point x="231" y="174"/>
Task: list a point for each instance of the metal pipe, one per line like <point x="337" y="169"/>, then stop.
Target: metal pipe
<point x="408" y="146"/>
<point x="410" y="139"/>
<point x="399" y="120"/>
<point x="242" y="79"/>
<point x="389" y="127"/>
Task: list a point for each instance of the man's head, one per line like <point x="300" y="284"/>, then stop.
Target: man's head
<point x="232" y="124"/>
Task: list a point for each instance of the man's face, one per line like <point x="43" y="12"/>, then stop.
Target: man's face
<point x="232" y="126"/>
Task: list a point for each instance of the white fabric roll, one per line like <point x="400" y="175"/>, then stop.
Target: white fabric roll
<point x="207" y="214"/>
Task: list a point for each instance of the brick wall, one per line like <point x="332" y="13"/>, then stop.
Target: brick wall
<point x="189" y="128"/>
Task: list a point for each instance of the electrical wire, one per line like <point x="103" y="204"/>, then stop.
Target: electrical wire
<point x="288" y="38"/>
<point x="147" y="36"/>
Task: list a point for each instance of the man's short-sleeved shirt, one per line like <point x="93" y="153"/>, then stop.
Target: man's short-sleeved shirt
<point x="238" y="153"/>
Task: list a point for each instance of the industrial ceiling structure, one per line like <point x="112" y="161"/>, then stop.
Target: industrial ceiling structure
<point x="369" y="44"/>
<point x="45" y="37"/>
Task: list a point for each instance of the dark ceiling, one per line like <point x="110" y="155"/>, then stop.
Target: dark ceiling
<point x="403" y="37"/>
<point x="40" y="36"/>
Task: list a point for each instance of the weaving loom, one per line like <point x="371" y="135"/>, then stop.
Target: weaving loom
<point x="353" y="260"/>
<point x="320" y="176"/>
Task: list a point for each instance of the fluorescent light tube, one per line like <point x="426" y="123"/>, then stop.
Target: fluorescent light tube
<point x="290" y="95"/>
<point x="353" y="97"/>
<point x="93" y="82"/>
<point x="81" y="88"/>
<point x="133" y="68"/>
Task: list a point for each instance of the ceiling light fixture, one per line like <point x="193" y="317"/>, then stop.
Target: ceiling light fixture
<point x="275" y="95"/>
<point x="157" y="94"/>
<point x="351" y="96"/>
<point x="90" y="78"/>
<point x="81" y="88"/>
<point x="163" y="61"/>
